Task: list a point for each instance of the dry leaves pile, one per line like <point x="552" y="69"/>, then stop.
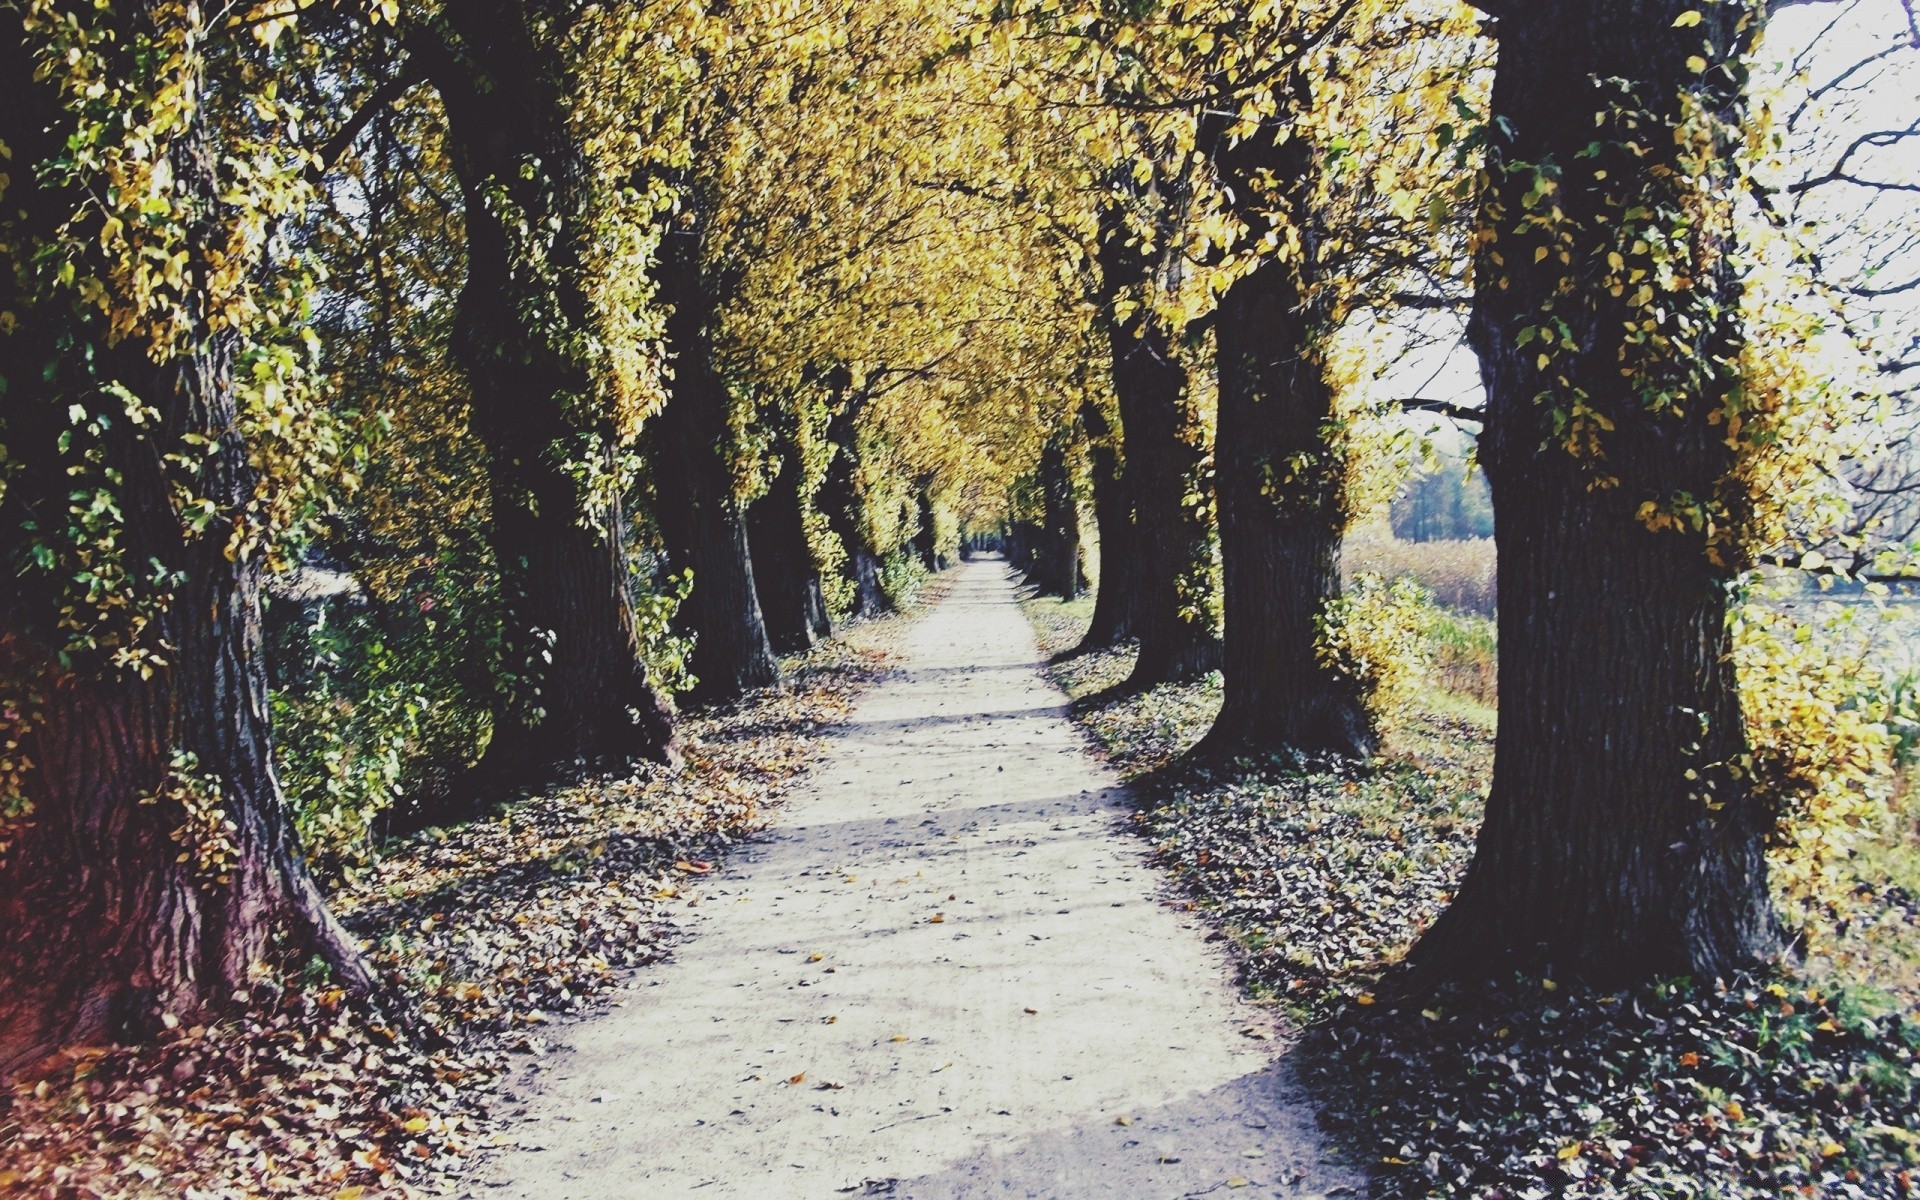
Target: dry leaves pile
<point x="1322" y="879"/>
<point x="490" y="929"/>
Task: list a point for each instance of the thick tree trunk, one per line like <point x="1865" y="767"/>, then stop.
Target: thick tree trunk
<point x="1281" y="483"/>
<point x="699" y="512"/>
<point x="579" y="692"/>
<point x="1057" y="563"/>
<point x="1621" y="840"/>
<point x="784" y="574"/>
<point x="1174" y="622"/>
<point x="127" y="895"/>
<point x="1114" y="599"/>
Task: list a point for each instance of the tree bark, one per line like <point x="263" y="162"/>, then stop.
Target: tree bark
<point x="1281" y="477"/>
<point x="1621" y="840"/>
<point x="1057" y="564"/>
<point x="784" y="574"/>
<point x="1114" y="598"/>
<point x="579" y="693"/>
<point x="1174" y="622"/>
<point x="117" y="908"/>
<point x="699" y="511"/>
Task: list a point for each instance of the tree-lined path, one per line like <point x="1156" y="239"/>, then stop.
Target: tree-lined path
<point x="948" y="973"/>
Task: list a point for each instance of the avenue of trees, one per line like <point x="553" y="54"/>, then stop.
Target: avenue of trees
<point x="404" y="407"/>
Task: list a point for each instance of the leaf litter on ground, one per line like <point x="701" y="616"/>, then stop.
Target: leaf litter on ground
<point x="1321" y="876"/>
<point x="491" y="930"/>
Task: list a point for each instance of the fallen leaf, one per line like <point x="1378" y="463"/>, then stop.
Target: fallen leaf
<point x="797" y="1079"/>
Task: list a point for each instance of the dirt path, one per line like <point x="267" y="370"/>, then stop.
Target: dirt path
<point x="948" y="973"/>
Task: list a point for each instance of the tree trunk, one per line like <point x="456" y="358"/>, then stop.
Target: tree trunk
<point x="784" y="574"/>
<point x="1622" y="840"/>
<point x="699" y="510"/>
<point x="125" y="895"/>
<point x="579" y="693"/>
<point x="1174" y="621"/>
<point x="926" y="536"/>
<point x="1057" y="565"/>
<point x="1114" y="598"/>
<point x="1281" y="477"/>
<point x="844" y="504"/>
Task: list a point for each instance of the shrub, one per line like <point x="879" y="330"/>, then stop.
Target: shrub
<point x="1466" y="655"/>
<point x="1377" y="635"/>
<point x="344" y="739"/>
<point x="1821" y="719"/>
<point x="901" y="576"/>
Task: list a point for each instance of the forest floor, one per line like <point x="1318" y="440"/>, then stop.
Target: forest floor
<point x="947" y="971"/>
<point x="1803" y="1083"/>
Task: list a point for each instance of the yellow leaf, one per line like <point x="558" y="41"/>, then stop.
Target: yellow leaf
<point x="1696" y="64"/>
<point x="415" y="1125"/>
<point x="1364" y="998"/>
<point x="1569" y="1152"/>
<point x="1236" y="1181"/>
<point x="1689" y="18"/>
<point x="1831" y="1149"/>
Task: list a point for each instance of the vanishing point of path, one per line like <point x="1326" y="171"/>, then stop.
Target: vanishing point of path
<point x="948" y="972"/>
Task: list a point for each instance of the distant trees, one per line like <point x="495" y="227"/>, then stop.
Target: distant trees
<point x="1450" y="502"/>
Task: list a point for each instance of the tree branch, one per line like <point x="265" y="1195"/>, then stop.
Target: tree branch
<point x="1445" y="408"/>
<point x="335" y="148"/>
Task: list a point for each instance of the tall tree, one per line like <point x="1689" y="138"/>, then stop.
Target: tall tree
<point x="1057" y="571"/>
<point x="844" y="504"/>
<point x="1115" y="597"/>
<point x="785" y="575"/>
<point x="160" y="437"/>
<point x="577" y="689"/>
<point x="1319" y="186"/>
<point x="1623" y="838"/>
<point x="699" y="508"/>
<point x="1165" y="454"/>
